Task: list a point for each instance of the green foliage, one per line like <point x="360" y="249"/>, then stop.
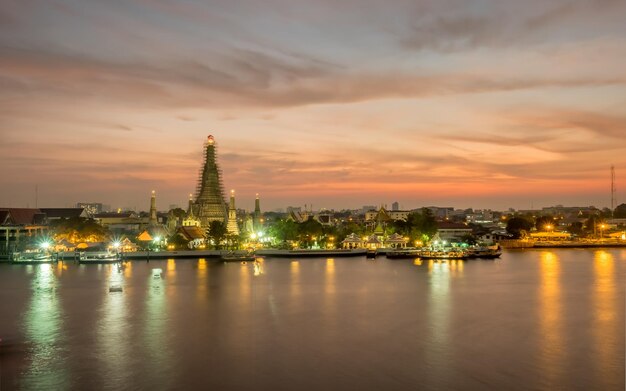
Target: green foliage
<point x="178" y="212"/>
<point x="518" y="226"/>
<point x="543" y="222"/>
<point x="309" y="231"/>
<point x="620" y="211"/>
<point x="179" y="242"/>
<point x="284" y="230"/>
<point x="217" y="232"/>
<point x="575" y="228"/>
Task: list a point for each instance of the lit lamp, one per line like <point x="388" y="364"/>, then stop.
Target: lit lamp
<point x="116" y="246"/>
<point x="548" y="227"/>
<point x="602" y="227"/>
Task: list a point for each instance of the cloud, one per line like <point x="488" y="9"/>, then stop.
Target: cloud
<point x="246" y="79"/>
<point x="450" y="26"/>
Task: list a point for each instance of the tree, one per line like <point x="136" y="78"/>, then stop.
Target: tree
<point x="179" y="242"/>
<point x="217" y="232"/>
<point x="78" y="229"/>
<point x="517" y="226"/>
<point x="544" y="223"/>
<point x="620" y="211"/>
<point x="576" y="228"/>
<point x="309" y="231"/>
<point x="284" y="230"/>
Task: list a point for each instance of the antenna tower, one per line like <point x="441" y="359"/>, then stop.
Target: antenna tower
<point x="612" y="189"/>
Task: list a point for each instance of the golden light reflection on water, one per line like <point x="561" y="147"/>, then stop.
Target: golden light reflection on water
<point x="552" y="346"/>
<point x="245" y="288"/>
<point x="202" y="280"/>
<point x="330" y="296"/>
<point x="42" y="324"/>
<point x="329" y="286"/>
<point x="294" y="272"/>
<point x="605" y="323"/>
<point x="128" y="269"/>
<point x="171" y="267"/>
<point x="258" y="267"/>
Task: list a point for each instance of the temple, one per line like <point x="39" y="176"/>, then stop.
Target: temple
<point x="209" y="204"/>
<point x="232" y="226"/>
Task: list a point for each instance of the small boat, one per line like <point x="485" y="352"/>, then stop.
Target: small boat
<point x="32" y="257"/>
<point x="234" y="257"/>
<point x="443" y="254"/>
<point x="489" y="252"/>
<point x="99" y="257"/>
<point x="371" y="254"/>
<point x="403" y="254"/>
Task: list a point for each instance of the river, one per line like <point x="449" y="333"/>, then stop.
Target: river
<point x="534" y="319"/>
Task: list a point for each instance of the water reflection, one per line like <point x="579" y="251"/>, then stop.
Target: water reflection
<point x="43" y="325"/>
<point x="258" y="267"/>
<point x="202" y="280"/>
<point x="113" y="329"/>
<point x="171" y="268"/>
<point x="294" y="271"/>
<point x="158" y="358"/>
<point x="438" y="351"/>
<point x="605" y="321"/>
<point x="552" y="346"/>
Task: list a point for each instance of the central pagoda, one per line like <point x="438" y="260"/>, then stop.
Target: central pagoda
<point x="209" y="204"/>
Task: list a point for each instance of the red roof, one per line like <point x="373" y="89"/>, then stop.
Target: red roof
<point x="22" y="216"/>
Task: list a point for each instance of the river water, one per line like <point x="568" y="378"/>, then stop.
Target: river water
<point x="535" y="319"/>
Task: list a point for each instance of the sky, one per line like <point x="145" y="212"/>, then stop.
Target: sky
<point x="471" y="104"/>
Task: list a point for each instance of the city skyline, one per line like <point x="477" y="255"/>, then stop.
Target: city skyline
<point x="439" y="103"/>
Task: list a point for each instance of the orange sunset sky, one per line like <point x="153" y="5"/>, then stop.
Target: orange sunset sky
<point x="483" y="104"/>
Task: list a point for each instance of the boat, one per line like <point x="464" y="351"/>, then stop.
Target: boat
<point x="99" y="257"/>
<point x="488" y="252"/>
<point x="32" y="257"/>
<point x="371" y="254"/>
<point x="234" y="257"/>
<point x="443" y="254"/>
<point x="403" y="254"/>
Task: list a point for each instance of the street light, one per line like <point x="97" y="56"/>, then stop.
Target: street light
<point x="602" y="227"/>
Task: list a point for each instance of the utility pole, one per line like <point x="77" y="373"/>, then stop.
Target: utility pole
<point x="612" y="190"/>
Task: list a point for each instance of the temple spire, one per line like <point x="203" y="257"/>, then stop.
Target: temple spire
<point x="153" y="211"/>
<point x="257" y="220"/>
<point x="232" y="226"/>
<point x="209" y="204"/>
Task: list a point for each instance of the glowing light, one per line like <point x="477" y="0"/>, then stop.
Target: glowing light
<point x="117" y="244"/>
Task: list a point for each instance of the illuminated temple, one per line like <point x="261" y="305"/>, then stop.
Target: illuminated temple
<point x="209" y="204"/>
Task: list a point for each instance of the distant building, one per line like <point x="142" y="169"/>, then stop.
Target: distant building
<point x="64" y="213"/>
<point x="92" y="208"/>
<point x="18" y="224"/>
<point x="395" y="206"/>
<point x="449" y="230"/>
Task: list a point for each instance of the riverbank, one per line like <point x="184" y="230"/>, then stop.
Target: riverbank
<point x="519" y="244"/>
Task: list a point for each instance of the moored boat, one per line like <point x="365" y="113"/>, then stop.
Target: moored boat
<point x="403" y="254"/>
<point x="443" y="254"/>
<point x="99" y="257"/>
<point x="238" y="257"/>
<point x="32" y="257"/>
<point x="488" y="252"/>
